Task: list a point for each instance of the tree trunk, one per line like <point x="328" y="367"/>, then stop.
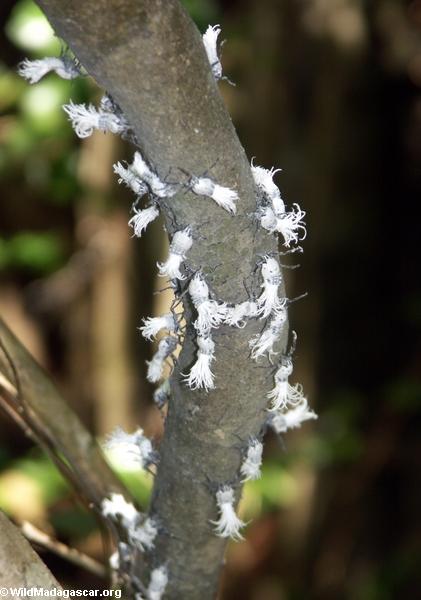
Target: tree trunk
<point x="149" y="56"/>
<point x="20" y="566"/>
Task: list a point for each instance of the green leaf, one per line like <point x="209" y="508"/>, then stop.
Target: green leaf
<point x="203" y="12"/>
<point x="39" y="252"/>
<point x="28" y="28"/>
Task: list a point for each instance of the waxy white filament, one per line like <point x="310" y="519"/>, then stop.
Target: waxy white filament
<point x="156" y="366"/>
<point x="85" y="119"/>
<point x="292" y="418"/>
<point x="268" y="300"/>
<point x="284" y="394"/>
<point x="158" y="187"/>
<point x="260" y="344"/>
<point x="180" y="244"/>
<point x="223" y="196"/>
<point x="153" y="325"/>
<point x="133" y="182"/>
<point x="210" y="41"/>
<point x="200" y="375"/>
<point x="157" y="584"/>
<point x="135" y="446"/>
<point x="142" y="218"/>
<point x="34" y="70"/>
<point x="210" y="312"/>
<point x="250" y="468"/>
<point x="228" y="524"/>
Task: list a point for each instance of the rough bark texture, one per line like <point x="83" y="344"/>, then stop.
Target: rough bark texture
<point x="20" y="566"/>
<point x="149" y="56"/>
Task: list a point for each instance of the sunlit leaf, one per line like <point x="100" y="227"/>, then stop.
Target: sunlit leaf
<point x="46" y="474"/>
<point x="42" y="105"/>
<point x="29" y="29"/>
<point x="39" y="252"/>
<point x="138" y="481"/>
<point x="276" y="488"/>
<point x="21" y="496"/>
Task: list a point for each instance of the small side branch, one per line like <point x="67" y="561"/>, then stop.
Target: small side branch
<point x="37" y="406"/>
<point x="38" y="537"/>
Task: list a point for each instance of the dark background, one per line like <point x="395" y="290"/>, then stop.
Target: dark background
<point x="328" y="90"/>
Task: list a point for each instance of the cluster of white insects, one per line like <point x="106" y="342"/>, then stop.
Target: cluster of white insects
<point x="288" y="407"/>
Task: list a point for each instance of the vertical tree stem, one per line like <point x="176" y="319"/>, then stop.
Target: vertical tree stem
<point x="149" y="56"/>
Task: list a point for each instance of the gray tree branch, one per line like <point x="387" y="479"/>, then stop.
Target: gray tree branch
<point x="149" y="56"/>
<point x="34" y="402"/>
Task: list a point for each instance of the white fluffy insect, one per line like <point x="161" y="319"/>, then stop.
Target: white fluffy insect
<point x="107" y="104"/>
<point x="156" y="366"/>
<point x="210" y="42"/>
<point x="260" y="344"/>
<point x="181" y="243"/>
<point x="200" y="375"/>
<point x="237" y="315"/>
<point x="284" y="394"/>
<point x="159" y="188"/>
<point x="142" y="218"/>
<point x="293" y="418"/>
<point x="34" y="70"/>
<point x="268" y="300"/>
<point x="250" y="468"/>
<point x="273" y="216"/>
<point x="268" y="219"/>
<point x="127" y="177"/>
<point x="278" y="206"/>
<point x="144" y="534"/>
<point x="121" y="555"/>
<point x="114" y="561"/>
<point x="85" y="119"/>
<point x="116" y="507"/>
<point x="135" y="447"/>
<point x="140" y="534"/>
<point x="162" y="394"/>
<point x="153" y="325"/>
<point x="223" y="196"/>
<point x="210" y="312"/>
<point x="157" y="583"/>
<point x="263" y="178"/>
<point x="228" y="525"/>
<point x="291" y="226"/>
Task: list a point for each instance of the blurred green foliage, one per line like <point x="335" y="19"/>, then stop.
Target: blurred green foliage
<point x="38" y="166"/>
<point x="202" y="12"/>
<point x="38" y="467"/>
<point x="38" y="151"/>
<point x="43" y="481"/>
<point x="29" y="30"/>
<point x="40" y="253"/>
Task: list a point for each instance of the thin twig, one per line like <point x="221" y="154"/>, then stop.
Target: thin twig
<point x="8" y="386"/>
<point x="36" y="536"/>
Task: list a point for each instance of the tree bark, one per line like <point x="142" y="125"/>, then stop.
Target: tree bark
<point x="20" y="565"/>
<point x="149" y="56"/>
